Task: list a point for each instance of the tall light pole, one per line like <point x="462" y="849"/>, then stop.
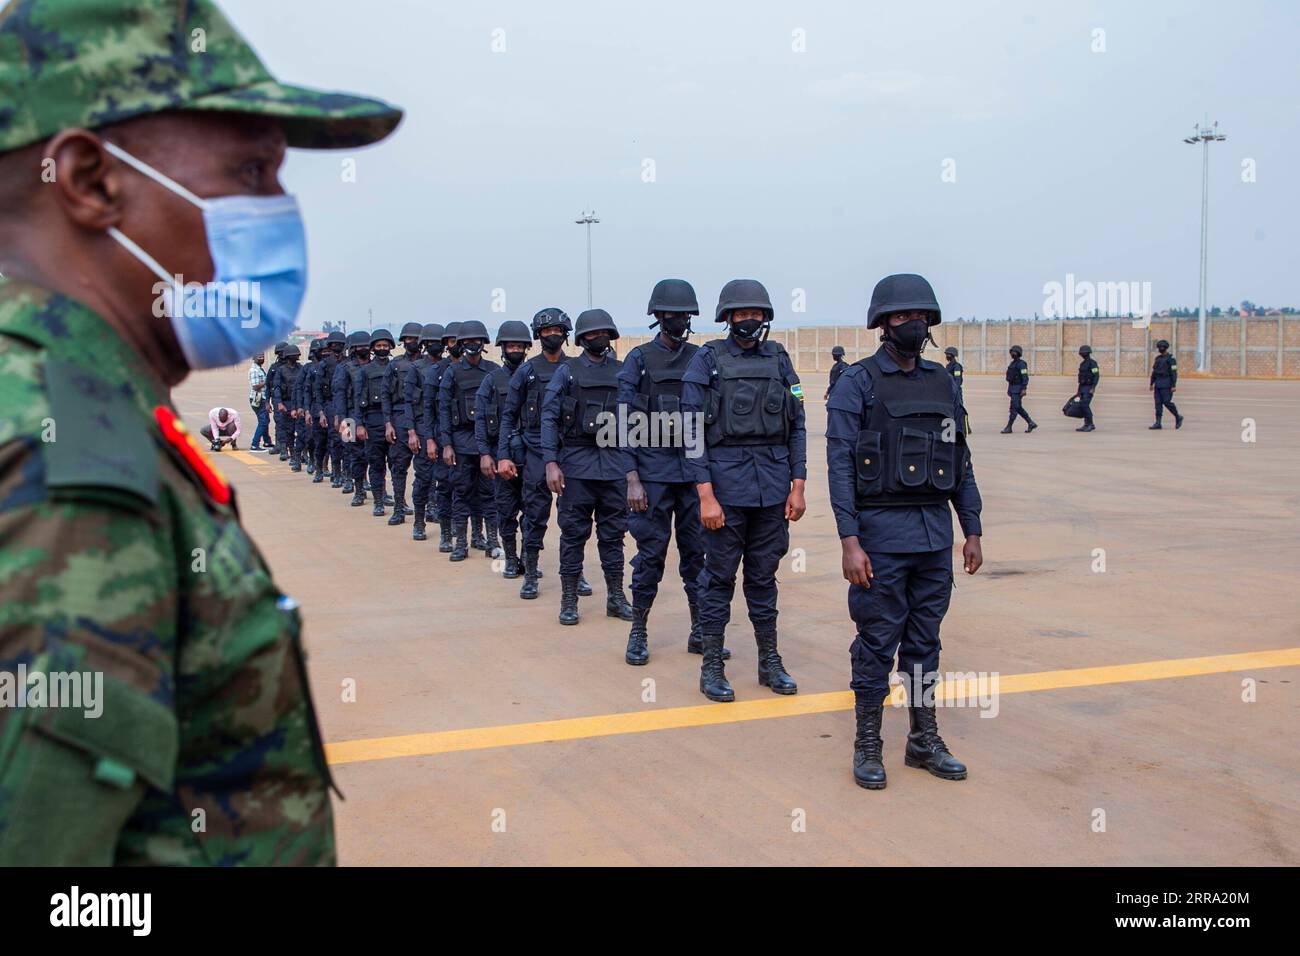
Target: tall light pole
<point x="588" y="218"/>
<point x="1205" y="135"/>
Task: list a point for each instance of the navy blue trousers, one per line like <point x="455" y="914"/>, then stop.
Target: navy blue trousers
<point x="759" y="536"/>
<point x="671" y="508"/>
<point x="585" y="499"/>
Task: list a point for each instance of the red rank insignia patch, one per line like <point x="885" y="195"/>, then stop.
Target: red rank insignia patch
<point x="179" y="437"/>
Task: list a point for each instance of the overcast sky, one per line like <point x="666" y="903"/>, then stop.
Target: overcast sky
<point x="819" y="170"/>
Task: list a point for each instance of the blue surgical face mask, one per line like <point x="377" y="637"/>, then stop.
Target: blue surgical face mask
<point x="259" y="253"/>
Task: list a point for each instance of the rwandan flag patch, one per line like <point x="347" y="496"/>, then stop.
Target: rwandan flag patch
<point x="797" y="391"/>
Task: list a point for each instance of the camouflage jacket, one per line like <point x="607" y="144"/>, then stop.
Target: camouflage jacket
<point x="122" y="555"/>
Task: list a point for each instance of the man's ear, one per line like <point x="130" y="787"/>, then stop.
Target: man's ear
<point x="88" y="187"/>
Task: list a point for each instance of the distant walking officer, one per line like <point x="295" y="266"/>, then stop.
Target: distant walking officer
<point x="954" y="369"/>
<point x="343" y="388"/>
<point x="276" y="419"/>
<point x="397" y="417"/>
<point x="514" y="339"/>
<point x="896" y="457"/>
<point x="368" y="410"/>
<point x="420" y="432"/>
<point x="1164" y="380"/>
<point x="286" y="378"/>
<point x="335" y="343"/>
<point x="1017" y="385"/>
<point x="304" y="400"/>
<point x="749" y="476"/>
<point x="522" y="417"/>
<point x="661" y="495"/>
<point x="837" y="369"/>
<point x="1089" y="378"/>
<point x="584" y="466"/>
<point x="471" y="494"/>
<point x="440" y="497"/>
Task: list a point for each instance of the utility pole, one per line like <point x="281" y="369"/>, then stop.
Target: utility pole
<point x="1205" y="135"/>
<point x="588" y="218"/>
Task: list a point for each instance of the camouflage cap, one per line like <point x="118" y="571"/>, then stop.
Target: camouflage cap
<point x="89" y="63"/>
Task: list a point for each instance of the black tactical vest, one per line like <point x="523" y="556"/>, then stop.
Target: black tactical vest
<point x="542" y="370"/>
<point x="397" y="380"/>
<point x="496" y="401"/>
<point x="660" y="388"/>
<point x="417" y="393"/>
<point x="372" y="385"/>
<point x="288" y="376"/>
<point x="751" y="405"/>
<point x="902" y="456"/>
<point x="466" y="380"/>
<point x="593" y="390"/>
<point x="326" y="378"/>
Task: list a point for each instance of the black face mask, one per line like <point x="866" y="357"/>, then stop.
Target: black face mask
<point x="412" y="348"/>
<point x="676" y="327"/>
<point x="749" y="330"/>
<point x="381" y="354"/>
<point x="472" y="348"/>
<point x="361" y="353"/>
<point x="909" y="338"/>
<point x="454" y="350"/>
<point x="512" y="358"/>
<point x="596" y="345"/>
<point x="435" y="349"/>
<point x="553" y="343"/>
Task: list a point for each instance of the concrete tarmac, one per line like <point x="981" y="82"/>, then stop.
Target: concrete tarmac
<point x="1118" y="547"/>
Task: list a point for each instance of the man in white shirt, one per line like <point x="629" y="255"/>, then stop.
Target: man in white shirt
<point x="258" y="401"/>
<point x="222" y="427"/>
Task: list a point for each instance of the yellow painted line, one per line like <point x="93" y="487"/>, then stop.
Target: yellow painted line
<point x="672" y="718"/>
<point x="247" y="457"/>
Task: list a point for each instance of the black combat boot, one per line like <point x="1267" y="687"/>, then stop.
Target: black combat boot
<point x="490" y="536"/>
<point x="295" y="463"/>
<point x="461" y="551"/>
<point x="713" y="678"/>
<point x="528" y="590"/>
<point x="347" y="487"/>
<point x="615" y="600"/>
<point x="771" y="671"/>
<point x="568" y="599"/>
<point x="584" y="589"/>
<point x="399" y="515"/>
<point x="401" y="508"/>
<point x="318" y="479"/>
<point x="1178" y="421"/>
<point x="378" y="510"/>
<point x="926" y="749"/>
<point x="336" y="481"/>
<point x="358" y="499"/>
<point x="694" y="642"/>
<point x="284" y="453"/>
<point x="511" y="569"/>
<point x="1032" y="425"/>
<point x="868" y="747"/>
<point x="417" y="529"/>
<point x="477" y="541"/>
<point x="638" y="639"/>
<point x="1156" y="427"/>
<point x="388" y="499"/>
<point x="444" y="536"/>
<point x="435" y="513"/>
<point x="311" y="467"/>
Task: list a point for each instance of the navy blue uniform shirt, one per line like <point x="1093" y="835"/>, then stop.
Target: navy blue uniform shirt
<point x="651" y="464"/>
<point x="460" y="437"/>
<point x="576" y="461"/>
<point x="900" y="529"/>
<point x="744" y="476"/>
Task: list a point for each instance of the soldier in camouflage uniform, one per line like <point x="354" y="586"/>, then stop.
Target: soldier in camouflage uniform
<point x="121" y="550"/>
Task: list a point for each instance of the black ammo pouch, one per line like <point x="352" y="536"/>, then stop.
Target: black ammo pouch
<point x="467" y="380"/>
<point x="912" y="451"/>
<point x="531" y="411"/>
<point x="495" y="402"/>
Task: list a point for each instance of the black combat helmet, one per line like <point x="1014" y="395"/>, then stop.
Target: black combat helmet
<point x="433" y="332"/>
<point x="1085" y="349"/>
<point x="291" y="351"/>
<point x="1016" y="351"/>
<point x="359" y="339"/>
<point x="280" y="347"/>
<point x="315" y="346"/>
<point x="381" y="335"/>
<point x="595" y="320"/>
<point x="451" y="330"/>
<point x="837" y="352"/>
<point x="904" y="292"/>
<point x="411" y="330"/>
<point x="673" y="295"/>
<point x="336" y="338"/>
<point x="514" y="331"/>
<point x="472" y="329"/>
<point x="743" y="294"/>
<point x="548" y="317"/>
<point x="1162" y="344"/>
<point x="951" y="352"/>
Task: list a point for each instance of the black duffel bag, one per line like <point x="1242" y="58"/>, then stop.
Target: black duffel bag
<point x="1073" y="408"/>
